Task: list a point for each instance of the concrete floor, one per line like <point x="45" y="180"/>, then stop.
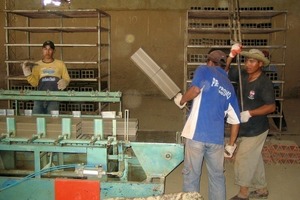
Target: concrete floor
<point x="283" y="179"/>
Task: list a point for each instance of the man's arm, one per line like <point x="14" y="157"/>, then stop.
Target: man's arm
<point x="231" y="146"/>
<point x="235" y="49"/>
<point x="65" y="78"/>
<point x="65" y="74"/>
<point x="33" y="79"/>
<point x="228" y="63"/>
<point x="263" y="110"/>
<point x="234" y="131"/>
<point x="190" y="94"/>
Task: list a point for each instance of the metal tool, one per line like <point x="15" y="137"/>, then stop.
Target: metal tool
<point x="31" y="64"/>
<point x="235" y="36"/>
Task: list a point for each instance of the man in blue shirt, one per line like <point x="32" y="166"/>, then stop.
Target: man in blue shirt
<point x="214" y="100"/>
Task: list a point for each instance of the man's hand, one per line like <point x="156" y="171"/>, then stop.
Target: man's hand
<point x="177" y="100"/>
<point x="245" y="116"/>
<point x="62" y="84"/>
<point x="235" y="49"/>
<point x="229" y="150"/>
<point x="26" y="69"/>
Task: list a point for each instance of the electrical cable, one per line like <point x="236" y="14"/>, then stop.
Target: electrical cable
<point x="41" y="172"/>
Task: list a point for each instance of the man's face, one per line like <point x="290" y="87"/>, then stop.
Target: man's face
<point x="253" y="65"/>
<point x="47" y="52"/>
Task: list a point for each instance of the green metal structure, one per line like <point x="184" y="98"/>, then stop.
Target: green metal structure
<point x="125" y="166"/>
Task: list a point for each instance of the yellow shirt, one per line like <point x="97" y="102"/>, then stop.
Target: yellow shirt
<point x="46" y="75"/>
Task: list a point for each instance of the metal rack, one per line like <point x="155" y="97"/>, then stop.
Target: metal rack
<point x="81" y="37"/>
<point x="261" y="28"/>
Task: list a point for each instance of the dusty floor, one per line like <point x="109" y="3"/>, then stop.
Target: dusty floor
<point x="283" y="179"/>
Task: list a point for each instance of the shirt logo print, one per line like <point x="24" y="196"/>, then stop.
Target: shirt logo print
<point x="48" y="71"/>
<point x="224" y="92"/>
<point x="251" y="94"/>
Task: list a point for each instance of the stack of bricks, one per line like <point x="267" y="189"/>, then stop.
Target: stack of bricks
<point x="278" y="152"/>
<point x="267" y="154"/>
<point x="281" y="153"/>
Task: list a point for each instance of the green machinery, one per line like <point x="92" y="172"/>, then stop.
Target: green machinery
<point x="37" y="150"/>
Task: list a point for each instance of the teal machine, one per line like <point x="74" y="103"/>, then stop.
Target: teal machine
<point x="38" y="150"/>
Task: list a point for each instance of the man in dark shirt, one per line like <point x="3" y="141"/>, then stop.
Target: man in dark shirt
<point x="258" y="102"/>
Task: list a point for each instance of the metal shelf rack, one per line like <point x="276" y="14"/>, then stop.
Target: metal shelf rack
<point x="261" y="28"/>
<point x="81" y="37"/>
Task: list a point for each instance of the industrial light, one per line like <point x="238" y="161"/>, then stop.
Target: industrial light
<point x="55" y="2"/>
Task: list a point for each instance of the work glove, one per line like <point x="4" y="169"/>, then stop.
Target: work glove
<point x="229" y="150"/>
<point x="235" y="49"/>
<point x="26" y="68"/>
<point x="62" y="84"/>
<point x="245" y="116"/>
<point x="177" y="100"/>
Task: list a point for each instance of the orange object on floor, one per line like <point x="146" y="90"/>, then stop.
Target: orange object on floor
<point x="74" y="189"/>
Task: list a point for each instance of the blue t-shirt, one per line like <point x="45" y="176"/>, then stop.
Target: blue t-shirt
<point x="218" y="101"/>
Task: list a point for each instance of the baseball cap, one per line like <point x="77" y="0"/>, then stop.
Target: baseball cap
<point x="217" y="56"/>
<point x="49" y="43"/>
